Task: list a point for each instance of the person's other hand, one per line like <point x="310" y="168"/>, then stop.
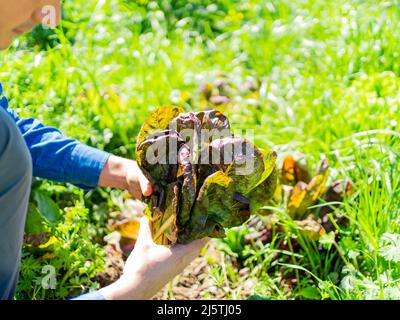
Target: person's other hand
<point x="150" y="266"/>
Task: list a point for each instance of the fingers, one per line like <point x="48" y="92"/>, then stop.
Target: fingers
<point x="145" y="233"/>
<point x="145" y="185"/>
<point x="140" y="181"/>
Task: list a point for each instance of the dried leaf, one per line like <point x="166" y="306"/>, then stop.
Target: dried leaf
<point x="335" y="193"/>
<point x="295" y="169"/>
<point x="304" y="195"/>
<point x="311" y="229"/>
<point x="128" y="228"/>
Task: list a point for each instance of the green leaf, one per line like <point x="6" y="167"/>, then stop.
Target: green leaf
<point x="258" y="297"/>
<point x="389" y="247"/>
<point x="34" y="221"/>
<point x="310" y="293"/>
<point x="269" y="159"/>
<point x="260" y="195"/>
<point x="47" y="207"/>
<point x="234" y="243"/>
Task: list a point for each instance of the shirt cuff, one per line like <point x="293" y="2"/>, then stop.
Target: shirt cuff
<point x="94" y="295"/>
<point x="87" y="163"/>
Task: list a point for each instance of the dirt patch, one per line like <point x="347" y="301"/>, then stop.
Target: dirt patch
<point x="196" y="281"/>
<point x="193" y="283"/>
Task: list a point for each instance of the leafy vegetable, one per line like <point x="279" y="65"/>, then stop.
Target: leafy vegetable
<point x="204" y="178"/>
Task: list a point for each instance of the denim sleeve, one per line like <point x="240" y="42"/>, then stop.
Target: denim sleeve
<point x="56" y="157"/>
<point x="94" y="295"/>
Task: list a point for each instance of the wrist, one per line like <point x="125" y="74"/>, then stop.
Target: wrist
<point x="122" y="289"/>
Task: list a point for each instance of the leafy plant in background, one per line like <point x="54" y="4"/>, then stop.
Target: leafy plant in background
<point x="63" y="240"/>
<point x="318" y="77"/>
<point x="204" y="18"/>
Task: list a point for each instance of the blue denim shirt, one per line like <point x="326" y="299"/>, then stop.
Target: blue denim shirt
<point x="56" y="157"/>
<point x="59" y="158"/>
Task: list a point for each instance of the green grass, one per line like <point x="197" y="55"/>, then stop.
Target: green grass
<point x="330" y="79"/>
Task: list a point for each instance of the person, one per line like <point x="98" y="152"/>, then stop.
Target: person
<point x="29" y="149"/>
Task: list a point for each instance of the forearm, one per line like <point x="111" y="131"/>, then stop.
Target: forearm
<point x="124" y="291"/>
<point x="150" y="267"/>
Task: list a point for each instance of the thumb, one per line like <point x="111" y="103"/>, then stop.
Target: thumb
<point x="145" y="185"/>
<point x="145" y="233"/>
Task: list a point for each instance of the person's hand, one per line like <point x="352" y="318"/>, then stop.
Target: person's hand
<point x="125" y="174"/>
<point x="137" y="183"/>
<point x="150" y="266"/>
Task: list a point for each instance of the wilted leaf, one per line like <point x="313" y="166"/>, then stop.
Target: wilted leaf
<point x="128" y="228"/>
<point x="304" y="195"/>
<point x="49" y="243"/>
<point x="311" y="229"/>
<point x="295" y="169"/>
